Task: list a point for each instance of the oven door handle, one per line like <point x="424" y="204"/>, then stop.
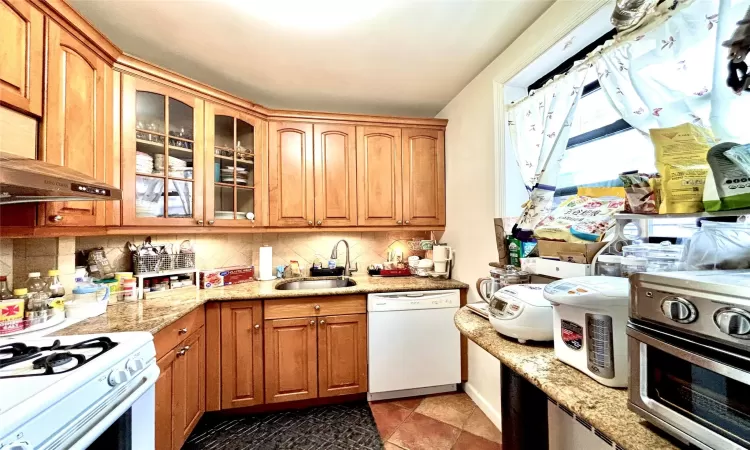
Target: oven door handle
<point x="147" y="380"/>
<point x="691" y="357"/>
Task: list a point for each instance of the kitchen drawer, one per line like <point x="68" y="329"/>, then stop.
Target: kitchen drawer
<point x="314" y="306"/>
<point x="173" y="334"/>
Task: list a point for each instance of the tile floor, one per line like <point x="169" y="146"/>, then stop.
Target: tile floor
<point x="440" y="422"/>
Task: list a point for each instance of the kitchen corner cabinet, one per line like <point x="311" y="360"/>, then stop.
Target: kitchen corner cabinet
<point x="290" y="174"/>
<point x="379" y="169"/>
<point x="342" y="355"/>
<point x="241" y="354"/>
<point x="74" y="126"/>
<point x="162" y="155"/>
<point x="423" y="165"/>
<point x="233" y="161"/>
<point x="291" y="359"/>
<point x="22" y="49"/>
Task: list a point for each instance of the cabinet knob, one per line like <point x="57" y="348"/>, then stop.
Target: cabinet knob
<point x="312" y="322"/>
<point x="199" y="222"/>
<point x="182" y="331"/>
<point x="210" y="222"/>
<point x="183" y="350"/>
<point x="57" y="218"/>
<point x="322" y="322"/>
<point x="317" y="307"/>
<point x="320" y="222"/>
<point x="407" y="222"/>
<point x="398" y="222"/>
<point x="257" y="326"/>
<point x="310" y="222"/>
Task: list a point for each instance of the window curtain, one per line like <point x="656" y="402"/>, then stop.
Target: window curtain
<point x="539" y="127"/>
<point x="664" y="73"/>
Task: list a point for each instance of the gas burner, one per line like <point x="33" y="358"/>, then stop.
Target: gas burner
<point x="16" y="352"/>
<point x="51" y="359"/>
<point x="49" y="362"/>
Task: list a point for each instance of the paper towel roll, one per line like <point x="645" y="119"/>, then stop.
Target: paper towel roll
<point x="265" y="264"/>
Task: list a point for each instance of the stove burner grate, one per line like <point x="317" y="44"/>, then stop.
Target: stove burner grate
<point x="61" y="354"/>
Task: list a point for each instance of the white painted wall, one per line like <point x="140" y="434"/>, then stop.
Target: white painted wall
<point x="473" y="195"/>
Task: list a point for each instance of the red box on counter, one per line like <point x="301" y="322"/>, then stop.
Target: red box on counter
<point x="226" y="276"/>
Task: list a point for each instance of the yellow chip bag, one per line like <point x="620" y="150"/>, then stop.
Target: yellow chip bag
<point x="681" y="161"/>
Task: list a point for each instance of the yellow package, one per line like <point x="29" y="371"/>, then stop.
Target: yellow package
<point x="681" y="161"/>
<point x="599" y="192"/>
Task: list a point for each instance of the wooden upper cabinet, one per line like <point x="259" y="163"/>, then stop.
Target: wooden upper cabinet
<point x="162" y="155"/>
<point x="335" y="162"/>
<point x="342" y="355"/>
<point x="291" y="360"/>
<point x="290" y="174"/>
<point x="234" y="160"/>
<point x="424" y="176"/>
<point x="241" y="354"/>
<point x="21" y="55"/>
<point x="74" y="124"/>
<point x="189" y="386"/>
<point x="379" y="176"/>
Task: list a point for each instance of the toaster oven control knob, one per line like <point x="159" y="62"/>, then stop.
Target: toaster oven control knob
<point x="679" y="310"/>
<point x="734" y="322"/>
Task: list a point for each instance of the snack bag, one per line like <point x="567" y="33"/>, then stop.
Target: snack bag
<point x="640" y="193"/>
<point x="580" y="219"/>
<point x="681" y="162"/>
<point x="727" y="184"/>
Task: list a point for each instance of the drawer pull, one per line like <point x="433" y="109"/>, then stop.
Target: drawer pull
<point x="322" y="322"/>
<point x="312" y="322"/>
<point x="317" y="307"/>
<point x="257" y="326"/>
<point x="182" y="331"/>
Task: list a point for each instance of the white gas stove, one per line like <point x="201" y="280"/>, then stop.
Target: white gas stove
<point x="78" y="392"/>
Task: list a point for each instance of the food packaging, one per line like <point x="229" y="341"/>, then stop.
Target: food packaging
<point x="579" y="219"/>
<point x="681" y="161"/>
<point x="727" y="184"/>
<point x="569" y="251"/>
<point x="719" y="246"/>
<point x="640" y="193"/>
<point x="226" y="276"/>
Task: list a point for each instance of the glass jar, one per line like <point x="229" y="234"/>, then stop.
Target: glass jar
<point x="54" y="287"/>
<point x="36" y="298"/>
<point x="498" y="279"/>
<point x="632" y="264"/>
<point x="5" y="292"/>
<point x="608" y="265"/>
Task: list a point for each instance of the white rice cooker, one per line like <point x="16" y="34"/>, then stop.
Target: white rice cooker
<point x="590" y="315"/>
<point x="520" y="311"/>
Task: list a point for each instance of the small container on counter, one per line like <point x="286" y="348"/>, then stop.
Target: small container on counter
<point x="13" y="308"/>
<point x="88" y="301"/>
<point x="128" y="290"/>
<point x="174" y="282"/>
<point x="632" y="264"/>
<point x="609" y="265"/>
<point x="81" y="276"/>
<point x="5" y="292"/>
<point x="54" y="287"/>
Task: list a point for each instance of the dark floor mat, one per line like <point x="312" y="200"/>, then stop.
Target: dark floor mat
<point x="346" y="426"/>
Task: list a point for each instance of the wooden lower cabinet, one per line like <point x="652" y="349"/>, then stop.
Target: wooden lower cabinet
<point x="342" y="355"/>
<point x="164" y="402"/>
<point x="291" y="360"/>
<point x="241" y="354"/>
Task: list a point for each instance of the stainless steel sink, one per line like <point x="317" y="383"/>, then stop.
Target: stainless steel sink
<point x="316" y="284"/>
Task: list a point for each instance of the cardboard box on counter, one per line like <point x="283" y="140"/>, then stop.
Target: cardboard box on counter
<point x="570" y="252"/>
<point x="226" y="276"/>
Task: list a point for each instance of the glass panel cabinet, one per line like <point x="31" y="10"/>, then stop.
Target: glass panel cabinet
<point x="234" y="141"/>
<point x="162" y="154"/>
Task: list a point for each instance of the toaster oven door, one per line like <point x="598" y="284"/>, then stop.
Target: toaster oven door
<point x="695" y="391"/>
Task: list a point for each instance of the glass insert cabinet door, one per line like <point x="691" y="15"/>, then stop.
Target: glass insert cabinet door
<point x="162" y="137"/>
<point x="233" y="161"/>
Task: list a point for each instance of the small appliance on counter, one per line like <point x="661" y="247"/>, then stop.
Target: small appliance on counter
<point x="522" y="312"/>
<point x="589" y="317"/>
<point x="498" y="279"/>
<point x="689" y="348"/>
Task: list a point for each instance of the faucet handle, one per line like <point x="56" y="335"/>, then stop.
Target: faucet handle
<point x="355" y="269"/>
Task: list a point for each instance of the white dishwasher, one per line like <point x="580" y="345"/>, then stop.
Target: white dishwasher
<point x="414" y="348"/>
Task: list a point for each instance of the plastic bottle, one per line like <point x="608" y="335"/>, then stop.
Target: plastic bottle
<point x="54" y="287"/>
<point x="5" y="293"/>
<point x="36" y="299"/>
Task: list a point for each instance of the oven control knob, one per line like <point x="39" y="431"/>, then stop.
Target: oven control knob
<point x="118" y="376"/>
<point x="679" y="310"/>
<point x="20" y="445"/>
<point x="734" y="322"/>
<point x="134" y="366"/>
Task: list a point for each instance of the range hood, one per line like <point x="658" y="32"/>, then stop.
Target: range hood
<point x="24" y="180"/>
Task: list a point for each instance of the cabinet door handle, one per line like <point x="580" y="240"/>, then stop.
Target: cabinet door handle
<point x="199" y="222"/>
<point x="183" y="350"/>
<point x="257" y="326"/>
<point x="312" y="322"/>
<point x="317" y="307"/>
<point x="182" y="331"/>
<point x="398" y="222"/>
<point x="407" y="222"/>
<point x="57" y="218"/>
<point x="210" y="222"/>
<point x="322" y="322"/>
<point x="310" y="222"/>
<point x="320" y="222"/>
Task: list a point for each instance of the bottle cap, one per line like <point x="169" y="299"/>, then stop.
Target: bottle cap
<point x="53" y="273"/>
<point x="35" y="274"/>
<point x="19" y="292"/>
<point x="3" y="278"/>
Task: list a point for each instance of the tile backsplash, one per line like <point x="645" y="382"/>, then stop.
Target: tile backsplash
<point x="18" y="257"/>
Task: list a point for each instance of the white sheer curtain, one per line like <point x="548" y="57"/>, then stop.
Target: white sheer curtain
<point x="539" y="128"/>
<point x="664" y="73"/>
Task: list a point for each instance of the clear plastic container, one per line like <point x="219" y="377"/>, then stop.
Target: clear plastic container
<point x="632" y="264"/>
<point x="54" y="288"/>
<point x="36" y="298"/>
<point x="609" y="265"/>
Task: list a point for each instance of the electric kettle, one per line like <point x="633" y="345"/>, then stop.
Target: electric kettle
<point x="498" y="279"/>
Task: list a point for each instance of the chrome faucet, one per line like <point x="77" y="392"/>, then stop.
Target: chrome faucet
<point x="347" y="265"/>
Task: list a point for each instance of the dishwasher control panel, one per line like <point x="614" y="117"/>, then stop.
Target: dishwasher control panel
<point x="399" y="301"/>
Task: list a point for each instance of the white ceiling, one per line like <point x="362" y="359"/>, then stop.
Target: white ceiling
<point x="399" y="57"/>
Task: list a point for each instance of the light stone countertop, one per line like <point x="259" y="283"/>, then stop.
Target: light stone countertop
<point x="604" y="407"/>
<point x="155" y="314"/>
